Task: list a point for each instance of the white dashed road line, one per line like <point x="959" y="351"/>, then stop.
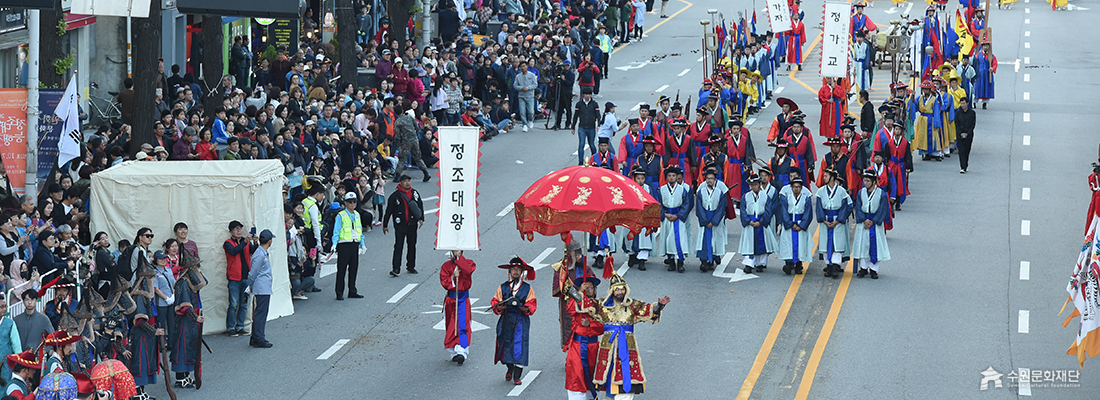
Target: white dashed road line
<point x="527" y="379"/>
<point x="401" y="293"/>
<point x="1027" y="77"/>
<point x="1025" y="323"/>
<point x="1027" y="165"/>
<point x="1025" y="384"/>
<point x="1027" y="140"/>
<point x="661" y="89"/>
<point x="1027" y="95"/>
<point x="685" y="72"/>
<point x="1025" y="227"/>
<point x="1026" y="195"/>
<point x="1025" y="270"/>
<point x="1027" y="117"/>
<point x="332" y="350"/>
<point x="509" y="208"/>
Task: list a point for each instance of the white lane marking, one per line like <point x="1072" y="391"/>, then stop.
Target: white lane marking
<point x="1025" y="270"/>
<point x="700" y="59"/>
<point x="1027" y="60"/>
<point x="1027" y="165"/>
<point x="1025" y="227"/>
<point x="332" y="350"/>
<point x="737" y="275"/>
<point x="1027" y="117"/>
<point x="908" y="8"/>
<point x="431" y="211"/>
<point x="1027" y="45"/>
<point x="1027" y="95"/>
<point x="1025" y="384"/>
<point x="1027" y="20"/>
<point x="685" y="72"/>
<point x="531" y="375"/>
<point x="1027" y="33"/>
<point x="506" y="210"/>
<point x="1027" y="1"/>
<point x="1026" y="194"/>
<point x="537" y="262"/>
<point x="1027" y="140"/>
<point x="750" y="121"/>
<point x="778" y="90"/>
<point x="474" y="325"/>
<point x="1027" y="77"/>
<point x="401" y="293"/>
<point x="636" y="107"/>
<point x="661" y="89"/>
<point x="1024" y="324"/>
<point x="1027" y="10"/>
<point x="574" y="154"/>
<point x="623" y="268"/>
<point x="431" y="198"/>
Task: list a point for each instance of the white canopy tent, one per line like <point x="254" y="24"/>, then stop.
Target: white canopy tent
<point x="206" y="195"/>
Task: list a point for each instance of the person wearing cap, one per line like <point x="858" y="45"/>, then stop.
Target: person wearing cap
<point x="61" y="348"/>
<point x="163" y="290"/>
<point x="603" y="245"/>
<point x="347" y="237"/>
<point x="630" y="148"/>
<point x="872" y="209"/>
<point x="456" y="276"/>
<point x="570" y="267"/>
<point x="835" y="159"/>
<point x="710" y="210"/>
<point x="514" y="302"/>
<point x="782" y="164"/>
<point x="757" y="235"/>
<point x="832" y="207"/>
<point x="742" y="155"/>
<point x="676" y="203"/>
<point x="857" y="160"/>
<point x="783" y="120"/>
<point x="749" y="95"/>
<point x="944" y="117"/>
<point x="406" y="208"/>
<point x="795" y="211"/>
<point x="796" y="38"/>
<point x="24" y="367"/>
<point x="583" y="343"/>
<point x="715" y="157"/>
<point x="651" y="162"/>
<point x="260" y="281"/>
<point x="648" y="125"/>
<point x="964" y="123"/>
<point x="928" y="128"/>
<point x="704" y="91"/>
<point x="899" y="165"/>
<point x="238" y="256"/>
<point x="640" y="247"/>
<point x="716" y="115"/>
<point x="609" y="123"/>
<point x="679" y="150"/>
<point x="699" y="131"/>
<point x="146" y="326"/>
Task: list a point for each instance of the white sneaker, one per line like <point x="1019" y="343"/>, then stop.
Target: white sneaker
<point x="300" y="297"/>
<point x="525" y="127"/>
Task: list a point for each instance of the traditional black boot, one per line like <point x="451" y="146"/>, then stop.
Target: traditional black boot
<point x="517" y="375"/>
<point x="798" y="268"/>
<point x="787" y="267"/>
<point x="633" y="260"/>
<point x="680" y="266"/>
<point x="598" y="264"/>
<point x="702" y="266"/>
<point x="748" y="269"/>
<point x="641" y="265"/>
<point x="508" y="376"/>
<point x="668" y="261"/>
<point x="761" y="268"/>
<point x="862" y="273"/>
<point x="874" y="275"/>
<point x="828" y="270"/>
<point x="671" y="262"/>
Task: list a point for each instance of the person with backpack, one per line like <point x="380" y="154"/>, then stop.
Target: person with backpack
<point x="238" y="258"/>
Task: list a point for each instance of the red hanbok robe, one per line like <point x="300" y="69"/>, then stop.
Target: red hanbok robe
<point x="650" y="127"/>
<point x="455" y="276"/>
<point x="796" y="38"/>
<point x="834" y="105"/>
<point x="739" y="148"/>
<point x="583" y="345"/>
<point x="630" y="147"/>
<point x="900" y="162"/>
<point x="802" y="151"/>
<point x="855" y="170"/>
<point x="700" y="135"/>
<point x="1094" y="205"/>
<point x="679" y="152"/>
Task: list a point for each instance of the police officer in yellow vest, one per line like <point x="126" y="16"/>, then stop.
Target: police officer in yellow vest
<point x="312" y="218"/>
<point x="347" y="234"/>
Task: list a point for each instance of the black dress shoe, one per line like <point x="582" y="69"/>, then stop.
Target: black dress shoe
<point x="641" y="265"/>
<point x="458" y="358"/>
<point x="339" y="297"/>
<point x="748" y="270"/>
<point x="395" y="273"/>
<point x="261" y="345"/>
<point x="411" y="270"/>
<point x="862" y="273"/>
<point x="874" y="275"/>
<point x="598" y="263"/>
<point x="671" y="266"/>
<point x="315" y="290"/>
<point x="760" y="268"/>
<point x="354" y="296"/>
<point x="798" y="268"/>
<point x="679" y="266"/>
<point x="669" y="261"/>
<point x="787" y="268"/>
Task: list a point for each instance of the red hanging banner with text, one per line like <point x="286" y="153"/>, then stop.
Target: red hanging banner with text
<point x="13" y="136"/>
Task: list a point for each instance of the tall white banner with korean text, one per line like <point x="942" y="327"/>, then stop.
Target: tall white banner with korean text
<point x="779" y="15"/>
<point x="458" y="174"/>
<point x="834" y="41"/>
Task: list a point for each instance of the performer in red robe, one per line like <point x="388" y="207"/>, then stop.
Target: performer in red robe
<point x="900" y="165"/>
<point x="1094" y="186"/>
<point x="834" y="160"/>
<point x="456" y="277"/>
<point x="700" y="131"/>
<point x="833" y="97"/>
<point x="678" y="150"/>
<point x="649" y="126"/>
<point x="742" y="155"/>
<point x="801" y="148"/>
<point x="584" y="342"/>
<point x="796" y="38"/>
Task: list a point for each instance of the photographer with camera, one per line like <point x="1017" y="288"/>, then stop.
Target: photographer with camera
<point x="515" y="303"/>
<point x="561" y="91"/>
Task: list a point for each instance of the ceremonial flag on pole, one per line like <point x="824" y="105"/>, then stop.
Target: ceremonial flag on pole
<point x="68" y="145"/>
<point x="1084" y="292"/>
<point x="720" y="30"/>
<point x="459" y="159"/>
<point x="753" y="22"/>
<point x="962" y="32"/>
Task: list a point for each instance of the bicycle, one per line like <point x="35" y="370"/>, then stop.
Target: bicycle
<point x="106" y="110"/>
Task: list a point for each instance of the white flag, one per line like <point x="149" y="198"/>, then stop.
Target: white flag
<point x="834" y="41"/>
<point x="68" y="145"/>
<point x="461" y="6"/>
<point x="458" y="165"/>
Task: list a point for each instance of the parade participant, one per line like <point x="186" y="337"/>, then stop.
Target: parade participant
<point x="749" y="95"/>
<point x="678" y="149"/>
<point x="348" y="240"/>
<point x="601" y="246"/>
<point x="514" y="301"/>
<point x="795" y="212"/>
<point x="860" y="22"/>
<point x="456" y="276"/>
<point x="964" y="123"/>
<point x="699" y="131"/>
<point x="630" y="147"/>
<point x="714" y="157"/>
<point x="931" y="36"/>
<point x="967" y="73"/>
<point x="406" y="208"/>
<point x="863" y="57"/>
<point x="648" y="126"/>
<point x="143" y="343"/>
<point x="187" y="319"/>
<point x="757" y="236"/>
<point x="618" y="371"/>
<point x="570" y="267"/>
<point x="945" y="113"/>
<point x="783" y="120"/>
<point x="796" y="38"/>
<point x="834" y="105"/>
<point x="885" y="132"/>
<point x="872" y="207"/>
<point x="60" y="350"/>
<point x="801" y="147"/>
<point x="835" y="159"/>
<point x="986" y="64"/>
<point x="9" y="339"/>
<point x="1094" y="186"/>
<point x="900" y="164"/>
<point x="781" y="164"/>
<point x="710" y="210"/>
<point x="24" y="367"/>
<point x="63" y="304"/>
<point x="675" y="199"/>
<point x="715" y="118"/>
<point x="651" y="162"/>
<point x="741" y="157"/>
<point x="926" y="137"/>
<point x="705" y="90"/>
<point x="832" y="208"/>
<point x="642" y="244"/>
<point x="856" y="159"/>
<point x="584" y="340"/>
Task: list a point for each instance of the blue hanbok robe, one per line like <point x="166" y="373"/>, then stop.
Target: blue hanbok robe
<point x="871" y="243"/>
<point x="833" y="205"/>
<point x="676" y="200"/>
<point x="796" y="210"/>
<point x="710" y="208"/>
<point x="514" y="325"/>
<point x="757" y="207"/>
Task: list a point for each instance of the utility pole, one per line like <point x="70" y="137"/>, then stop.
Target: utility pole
<point x="33" y="29"/>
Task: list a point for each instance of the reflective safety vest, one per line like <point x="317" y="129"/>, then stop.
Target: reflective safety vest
<point x="351" y="226"/>
<point x="307" y="203"/>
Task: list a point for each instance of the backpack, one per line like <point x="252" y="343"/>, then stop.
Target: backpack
<point x="328" y="223"/>
<point x="587" y="76"/>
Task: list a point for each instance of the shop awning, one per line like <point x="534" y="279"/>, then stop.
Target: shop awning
<point x="78" y="20"/>
<point x="242" y="8"/>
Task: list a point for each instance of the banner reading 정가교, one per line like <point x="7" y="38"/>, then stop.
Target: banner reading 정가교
<point x="834" y="40"/>
<point x="13" y="136"/>
<point x="49" y="130"/>
<point x="458" y="165"/>
<point x="779" y="15"/>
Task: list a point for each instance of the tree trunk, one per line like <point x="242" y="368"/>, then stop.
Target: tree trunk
<point x="147" y="78"/>
<point x="346" y="29"/>
<point x="50" y="48"/>
<point x="212" y="62"/>
<point x="399" y="22"/>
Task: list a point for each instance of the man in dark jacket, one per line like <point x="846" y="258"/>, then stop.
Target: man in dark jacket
<point x="238" y="257"/>
<point x="406" y="209"/>
<point x="45" y="261"/>
<point x="964" y="126"/>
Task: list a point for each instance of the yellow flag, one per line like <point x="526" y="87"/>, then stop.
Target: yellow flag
<point x="965" y="41"/>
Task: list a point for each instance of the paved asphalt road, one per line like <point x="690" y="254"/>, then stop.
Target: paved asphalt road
<point x="948" y="305"/>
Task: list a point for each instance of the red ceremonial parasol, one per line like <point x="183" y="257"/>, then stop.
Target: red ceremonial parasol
<point x="587" y="199"/>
